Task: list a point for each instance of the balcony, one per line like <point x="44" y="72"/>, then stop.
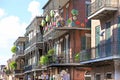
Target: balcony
<point x="102" y="8"/>
<point x="100" y="53"/>
<point x="36" y="41"/>
<point x="63" y="59"/>
<point x="19" y="54"/>
<point x="28" y="68"/>
<point x="18" y="72"/>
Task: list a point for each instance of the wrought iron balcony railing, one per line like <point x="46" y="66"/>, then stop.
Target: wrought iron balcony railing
<point x="63" y="58"/>
<point x="36" y="39"/>
<point x="18" y="71"/>
<point x="106" y="51"/>
<point x="102" y="5"/>
<point x="28" y="68"/>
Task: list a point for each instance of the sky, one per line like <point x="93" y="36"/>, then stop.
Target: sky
<point x="15" y="16"/>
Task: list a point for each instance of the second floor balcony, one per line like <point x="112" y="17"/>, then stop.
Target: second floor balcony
<point x="100" y="8"/>
<point x="102" y="52"/>
<point x="63" y="59"/>
<point x="18" y="72"/>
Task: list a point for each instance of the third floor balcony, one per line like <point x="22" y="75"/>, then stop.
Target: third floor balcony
<point x="102" y="52"/>
<point x="35" y="41"/>
<point x="101" y="8"/>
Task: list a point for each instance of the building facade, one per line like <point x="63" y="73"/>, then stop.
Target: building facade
<point x="69" y="34"/>
<point x="104" y="53"/>
<point x="33" y="49"/>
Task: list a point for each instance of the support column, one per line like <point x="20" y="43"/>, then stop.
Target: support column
<point x="67" y="50"/>
<point x="117" y="69"/>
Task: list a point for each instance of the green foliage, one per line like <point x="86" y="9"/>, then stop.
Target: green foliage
<point x="51" y="52"/>
<point x="44" y="60"/>
<point x="14" y="49"/>
<point x="77" y="56"/>
<point x="13" y="65"/>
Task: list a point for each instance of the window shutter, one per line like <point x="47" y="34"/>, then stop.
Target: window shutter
<point x="83" y="43"/>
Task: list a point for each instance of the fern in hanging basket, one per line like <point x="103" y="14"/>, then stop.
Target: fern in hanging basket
<point x="14" y="49"/>
<point x="51" y="52"/>
<point x="13" y="65"/>
<point x="77" y="57"/>
<point x="43" y="60"/>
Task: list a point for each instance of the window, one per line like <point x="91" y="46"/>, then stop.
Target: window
<point x="118" y="36"/>
<point x="87" y="3"/>
<point x="97" y="77"/>
<point x="83" y="42"/>
<point x="109" y="76"/>
<point x="97" y="41"/>
<point x="67" y="11"/>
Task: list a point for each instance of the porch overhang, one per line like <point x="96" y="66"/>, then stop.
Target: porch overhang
<point x="59" y="31"/>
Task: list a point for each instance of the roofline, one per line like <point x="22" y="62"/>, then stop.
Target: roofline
<point x="46" y="4"/>
<point x="33" y="20"/>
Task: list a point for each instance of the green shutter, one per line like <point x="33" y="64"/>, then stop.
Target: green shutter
<point x="118" y="36"/>
<point x="108" y="39"/>
<point x="97" y="41"/>
<point x="83" y="42"/>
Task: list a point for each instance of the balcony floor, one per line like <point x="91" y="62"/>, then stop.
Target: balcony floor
<point x="102" y="12"/>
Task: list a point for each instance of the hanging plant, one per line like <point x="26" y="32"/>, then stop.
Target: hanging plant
<point x="43" y="60"/>
<point x="52" y="13"/>
<point x="13" y="65"/>
<point x="43" y="22"/>
<point x="77" y="57"/>
<point x="74" y="12"/>
<point x="51" y="52"/>
<point x="14" y="49"/>
<point x="47" y="18"/>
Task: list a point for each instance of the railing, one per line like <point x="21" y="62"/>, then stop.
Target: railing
<point x="99" y="4"/>
<point x="28" y="68"/>
<point x="101" y="51"/>
<point x="35" y="39"/>
<point x="62" y="58"/>
<point x="18" y="71"/>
